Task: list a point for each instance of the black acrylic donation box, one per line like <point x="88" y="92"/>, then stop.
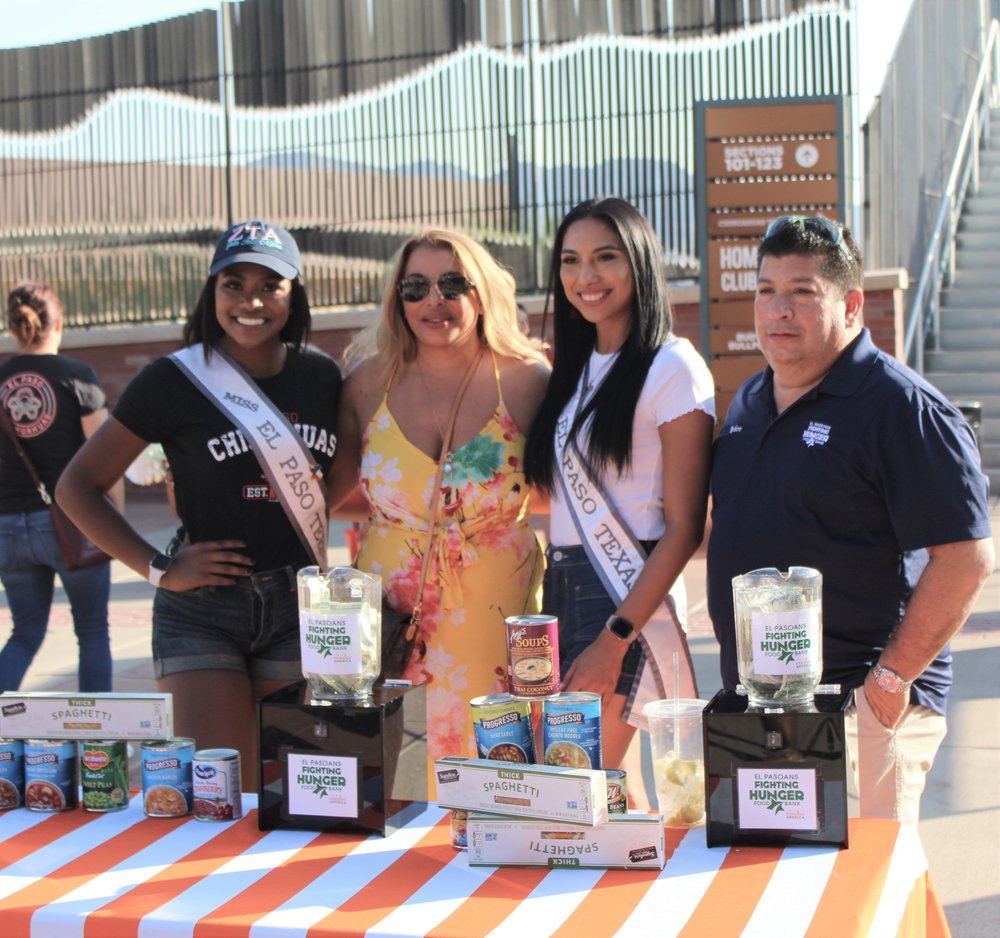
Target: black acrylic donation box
<point x="346" y="765"/>
<point x="775" y="777"/>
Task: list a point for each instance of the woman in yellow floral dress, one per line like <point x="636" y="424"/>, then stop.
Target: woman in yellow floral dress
<point x="449" y="308"/>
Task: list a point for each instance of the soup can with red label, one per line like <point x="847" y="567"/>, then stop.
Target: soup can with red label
<point x="533" y="656"/>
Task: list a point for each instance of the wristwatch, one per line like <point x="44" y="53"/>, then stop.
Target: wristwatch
<point x="890" y="681"/>
<point x="157" y="567"/>
<point x="620" y="628"/>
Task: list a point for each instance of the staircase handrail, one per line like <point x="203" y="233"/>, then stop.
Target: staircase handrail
<point x="939" y="262"/>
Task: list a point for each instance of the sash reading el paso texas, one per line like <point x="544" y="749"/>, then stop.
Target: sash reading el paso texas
<point x="282" y="454"/>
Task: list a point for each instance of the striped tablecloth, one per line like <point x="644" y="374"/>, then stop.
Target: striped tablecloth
<point x="78" y="873"/>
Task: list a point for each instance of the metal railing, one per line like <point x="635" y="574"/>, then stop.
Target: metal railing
<point x="923" y="322"/>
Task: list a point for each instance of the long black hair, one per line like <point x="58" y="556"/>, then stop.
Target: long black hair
<point x="613" y="405"/>
<point x="203" y="325"/>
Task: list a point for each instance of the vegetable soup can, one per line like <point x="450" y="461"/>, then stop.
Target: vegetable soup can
<point x="167" y="777"/>
<point x="502" y="725"/>
<point x="617" y="791"/>
<point x="11" y="773"/>
<point x="533" y="656"/>
<point x="571" y="730"/>
<point x="104" y="774"/>
<point x="216" y="785"/>
<point x="49" y="774"/>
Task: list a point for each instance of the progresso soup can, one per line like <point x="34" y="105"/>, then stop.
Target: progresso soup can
<point x="571" y="730"/>
<point x="11" y="773"/>
<point x="104" y="774"/>
<point x="502" y="725"/>
<point x="533" y="656"/>
<point x="166" y="777"/>
<point x="49" y="774"/>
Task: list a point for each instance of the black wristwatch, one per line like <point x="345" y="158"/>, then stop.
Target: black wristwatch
<point x="620" y="628"/>
<point x="157" y="567"/>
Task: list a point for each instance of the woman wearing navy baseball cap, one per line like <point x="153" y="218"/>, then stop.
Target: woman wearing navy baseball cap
<point x="246" y="415"/>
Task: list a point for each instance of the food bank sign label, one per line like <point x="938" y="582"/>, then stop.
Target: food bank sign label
<point x="786" y="642"/>
<point x="330" y="643"/>
<point x="322" y="786"/>
<point x="777" y="799"/>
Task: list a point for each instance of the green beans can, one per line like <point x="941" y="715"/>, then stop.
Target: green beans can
<point x="104" y="774"/>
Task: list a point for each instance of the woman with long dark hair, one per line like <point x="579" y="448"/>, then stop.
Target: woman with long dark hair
<point x="53" y="403"/>
<point x="225" y="615"/>
<point x="621" y="442"/>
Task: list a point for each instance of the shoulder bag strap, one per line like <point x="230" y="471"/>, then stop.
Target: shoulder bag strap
<point x="436" y="496"/>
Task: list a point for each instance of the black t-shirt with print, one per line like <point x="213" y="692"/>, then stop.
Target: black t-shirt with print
<point x="222" y="492"/>
<point x="44" y="396"/>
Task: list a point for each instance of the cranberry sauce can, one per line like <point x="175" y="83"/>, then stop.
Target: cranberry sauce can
<point x="104" y="774"/>
<point x="49" y="774"/>
<point x="11" y="773"/>
<point x="166" y="777"/>
<point x="216" y="785"/>
<point x="617" y="791"/>
<point x="533" y="656"/>
<point x="571" y="730"/>
<point x="502" y="725"/>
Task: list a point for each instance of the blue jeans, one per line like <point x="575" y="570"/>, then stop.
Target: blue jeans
<point x="29" y="560"/>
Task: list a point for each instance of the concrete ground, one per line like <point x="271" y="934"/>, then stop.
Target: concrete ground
<point x="960" y="826"/>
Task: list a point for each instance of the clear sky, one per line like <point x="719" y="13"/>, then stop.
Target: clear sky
<point x="39" y="22"/>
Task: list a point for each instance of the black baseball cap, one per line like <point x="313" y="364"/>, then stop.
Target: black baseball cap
<point x="258" y="242"/>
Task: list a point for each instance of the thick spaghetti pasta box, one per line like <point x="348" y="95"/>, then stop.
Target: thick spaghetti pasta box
<point x="632" y="841"/>
<point x="86" y="716"/>
<point x="549" y="792"/>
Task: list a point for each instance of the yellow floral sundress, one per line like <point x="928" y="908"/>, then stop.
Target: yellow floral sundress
<point x="486" y="562"/>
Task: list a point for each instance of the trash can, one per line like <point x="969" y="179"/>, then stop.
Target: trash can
<point x="972" y="411"/>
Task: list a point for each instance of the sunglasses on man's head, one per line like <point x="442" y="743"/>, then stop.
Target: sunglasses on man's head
<point x="450" y="286"/>
<point x="814" y="224"/>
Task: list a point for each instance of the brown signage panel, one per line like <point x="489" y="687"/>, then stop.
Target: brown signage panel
<point x="738" y="223"/>
<point x="785" y="192"/>
<point x="772" y="157"/>
<point x="766" y="119"/>
<point x="732" y="269"/>
<point x="731" y="313"/>
<point x="733" y="340"/>
<point x="731" y="371"/>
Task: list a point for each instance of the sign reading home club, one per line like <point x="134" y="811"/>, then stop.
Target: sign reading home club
<point x="757" y="160"/>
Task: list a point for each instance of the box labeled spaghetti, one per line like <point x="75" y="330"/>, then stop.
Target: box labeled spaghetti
<point x="86" y="716"/>
<point x="550" y="792"/>
<point x="632" y="841"/>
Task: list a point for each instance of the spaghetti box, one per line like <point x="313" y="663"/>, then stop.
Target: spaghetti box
<point x="86" y="716"/>
<point x="632" y="841"/>
<point x="775" y="777"/>
<point x="342" y="765"/>
<point x="548" y="792"/>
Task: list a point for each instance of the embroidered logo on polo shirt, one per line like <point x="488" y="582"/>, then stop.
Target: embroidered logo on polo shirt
<point x="735" y="428"/>
<point x="816" y="434"/>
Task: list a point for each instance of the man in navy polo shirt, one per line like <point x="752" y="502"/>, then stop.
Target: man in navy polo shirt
<point x="838" y="457"/>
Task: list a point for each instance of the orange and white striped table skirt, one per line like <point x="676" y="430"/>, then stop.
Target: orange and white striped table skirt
<point x="109" y="875"/>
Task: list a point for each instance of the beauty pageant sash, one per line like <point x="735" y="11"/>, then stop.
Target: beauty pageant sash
<point x="282" y="454"/>
<point x="618" y="559"/>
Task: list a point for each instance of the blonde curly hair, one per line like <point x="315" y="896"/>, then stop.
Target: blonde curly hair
<point x="390" y="338"/>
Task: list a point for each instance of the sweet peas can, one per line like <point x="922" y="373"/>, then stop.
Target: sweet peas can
<point x="502" y="725"/>
<point x="104" y="774"/>
<point x="533" y="656"/>
<point x="166" y="777"/>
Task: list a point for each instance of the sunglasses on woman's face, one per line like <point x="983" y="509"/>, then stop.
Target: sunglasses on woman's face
<point x="815" y="224"/>
<point x="450" y="286"/>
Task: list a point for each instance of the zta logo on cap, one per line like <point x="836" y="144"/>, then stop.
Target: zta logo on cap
<point x="253" y="234"/>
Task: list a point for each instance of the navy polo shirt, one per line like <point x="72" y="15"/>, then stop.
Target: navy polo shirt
<point x="857" y="478"/>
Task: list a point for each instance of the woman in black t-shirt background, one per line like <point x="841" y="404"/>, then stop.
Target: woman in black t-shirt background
<point x="53" y="404"/>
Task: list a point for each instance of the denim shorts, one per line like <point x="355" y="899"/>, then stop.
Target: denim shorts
<point x="574" y="594"/>
<point x="251" y="627"/>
